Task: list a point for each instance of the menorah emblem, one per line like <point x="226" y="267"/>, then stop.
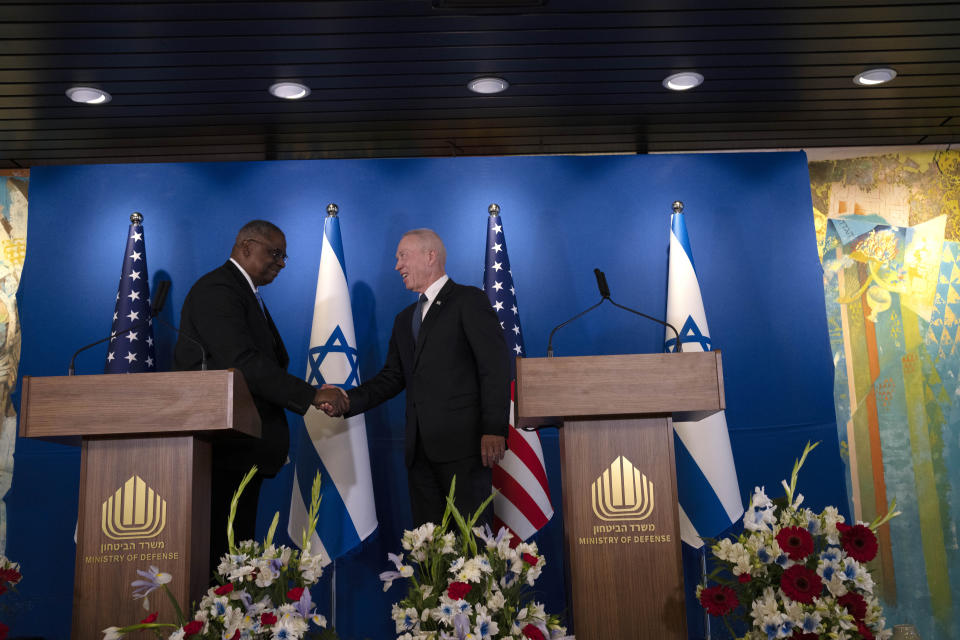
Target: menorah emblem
<point x="622" y="493"/>
<point x="133" y="511"/>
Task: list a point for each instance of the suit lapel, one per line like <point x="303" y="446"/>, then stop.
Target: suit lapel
<point x="260" y="313"/>
<point x="437" y="308"/>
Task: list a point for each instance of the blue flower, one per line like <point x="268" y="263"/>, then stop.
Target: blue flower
<point x="763" y="555"/>
<point x="783" y="560"/>
<point x="154" y="580"/>
<point x="828" y="572"/>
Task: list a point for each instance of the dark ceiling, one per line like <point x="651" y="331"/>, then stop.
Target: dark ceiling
<point x="189" y="80"/>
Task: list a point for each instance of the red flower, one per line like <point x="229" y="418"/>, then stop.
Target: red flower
<point x="860" y="543"/>
<point x="864" y="631"/>
<point x="10" y="575"/>
<point x="855" y="604"/>
<point x="224" y="589"/>
<point x="803" y="636"/>
<point x="458" y="590"/>
<point x="4" y="630"/>
<point x="796" y="542"/>
<point x="801" y="584"/>
<point x="533" y="633"/>
<point x="3" y="588"/>
<point x="745" y="577"/>
<point x="294" y="594"/>
<point x="192" y="628"/>
<point x="719" y="600"/>
<point x="530" y="559"/>
<point x="842" y="527"/>
<point x="267" y="619"/>
<point x="150" y="618"/>
<point x="236" y="635"/>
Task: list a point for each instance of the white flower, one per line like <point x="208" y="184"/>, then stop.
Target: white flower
<point x="759" y="516"/>
<point x="176" y="635"/>
<point x="496" y="600"/>
<point x="112" y="633"/>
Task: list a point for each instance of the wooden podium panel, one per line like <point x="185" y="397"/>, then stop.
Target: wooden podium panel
<point x="622" y="572"/>
<point x="144" y="480"/>
<point x="621" y="515"/>
<point x="143" y="502"/>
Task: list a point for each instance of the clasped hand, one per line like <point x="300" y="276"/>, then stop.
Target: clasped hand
<point x="332" y="400"/>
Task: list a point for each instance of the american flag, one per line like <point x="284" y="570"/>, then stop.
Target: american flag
<point x="132" y="352"/>
<point x="522" y="503"/>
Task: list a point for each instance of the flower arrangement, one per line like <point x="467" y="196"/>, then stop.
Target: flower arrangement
<point x="9" y="577"/>
<point x="263" y="591"/>
<point x="798" y="574"/>
<point x="472" y="585"/>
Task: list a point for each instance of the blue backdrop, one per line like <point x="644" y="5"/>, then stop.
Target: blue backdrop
<point x="750" y="225"/>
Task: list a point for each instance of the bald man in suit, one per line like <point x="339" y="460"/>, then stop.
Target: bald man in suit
<point x="447" y="350"/>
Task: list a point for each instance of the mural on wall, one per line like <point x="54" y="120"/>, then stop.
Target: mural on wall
<point x="13" y="250"/>
<point x="888" y="229"/>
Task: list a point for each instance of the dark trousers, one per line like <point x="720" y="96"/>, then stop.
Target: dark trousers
<point x="429" y="484"/>
<point x="224" y="484"/>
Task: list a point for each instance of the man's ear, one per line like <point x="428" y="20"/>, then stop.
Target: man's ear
<point x="431" y="257"/>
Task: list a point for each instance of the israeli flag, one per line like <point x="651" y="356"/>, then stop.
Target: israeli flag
<point x="706" y="476"/>
<point x="337" y="447"/>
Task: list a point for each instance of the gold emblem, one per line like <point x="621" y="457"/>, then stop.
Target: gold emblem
<point x="622" y="493"/>
<point x="134" y="511"/>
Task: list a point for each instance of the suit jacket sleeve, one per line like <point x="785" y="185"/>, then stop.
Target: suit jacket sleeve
<point x="485" y="336"/>
<point x="223" y="326"/>
<point x="386" y="384"/>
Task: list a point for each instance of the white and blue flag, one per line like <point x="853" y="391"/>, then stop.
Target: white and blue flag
<point x="706" y="476"/>
<point x="337" y="447"/>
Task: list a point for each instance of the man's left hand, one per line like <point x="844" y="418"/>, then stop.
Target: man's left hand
<point x="492" y="449"/>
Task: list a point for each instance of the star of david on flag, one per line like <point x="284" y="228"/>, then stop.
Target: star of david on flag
<point x="522" y="503"/>
<point x="132" y="352"/>
<point x="707" y="485"/>
<point x="336" y="447"/>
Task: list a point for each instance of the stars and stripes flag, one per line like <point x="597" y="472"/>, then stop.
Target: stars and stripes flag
<point x="522" y="503"/>
<point x="132" y="352"/>
<point x="336" y="447"/>
<point x="706" y="476"/>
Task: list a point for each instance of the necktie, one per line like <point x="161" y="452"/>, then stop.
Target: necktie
<point x="260" y="300"/>
<point x="418" y="316"/>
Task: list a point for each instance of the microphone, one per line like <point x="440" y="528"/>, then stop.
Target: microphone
<point x="605" y="295"/>
<point x="156" y="305"/>
<point x="605" y="292"/>
<point x="602" y="284"/>
<point x="161" y="296"/>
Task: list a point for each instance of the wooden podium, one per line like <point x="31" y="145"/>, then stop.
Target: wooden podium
<point x="144" y="480"/>
<point x="621" y="518"/>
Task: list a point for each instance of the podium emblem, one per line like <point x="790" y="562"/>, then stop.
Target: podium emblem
<point x="621" y="492"/>
<point x="133" y="511"/>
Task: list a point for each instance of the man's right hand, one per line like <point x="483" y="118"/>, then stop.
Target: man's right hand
<point x="332" y="400"/>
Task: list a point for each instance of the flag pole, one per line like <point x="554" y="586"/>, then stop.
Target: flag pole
<point x="677" y="207"/>
<point x="332" y="211"/>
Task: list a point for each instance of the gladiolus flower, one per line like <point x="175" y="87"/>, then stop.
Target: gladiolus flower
<point x="150" y="618"/>
<point x="224" y="589"/>
<point x="192" y="628"/>
<point x="530" y="559"/>
<point x="719" y="600"/>
<point x="864" y="631"/>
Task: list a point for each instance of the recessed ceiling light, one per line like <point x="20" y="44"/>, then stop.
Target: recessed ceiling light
<point x="290" y="90"/>
<point x="683" y="81"/>
<point x="874" y="76"/>
<point x="488" y="84"/>
<point x="88" y="95"/>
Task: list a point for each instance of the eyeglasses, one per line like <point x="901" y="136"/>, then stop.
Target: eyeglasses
<point x="276" y="254"/>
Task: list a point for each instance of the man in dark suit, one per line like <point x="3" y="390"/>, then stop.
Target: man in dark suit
<point x="224" y="312"/>
<point x="447" y="351"/>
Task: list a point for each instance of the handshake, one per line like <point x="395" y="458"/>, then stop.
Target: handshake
<point x="332" y="400"/>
